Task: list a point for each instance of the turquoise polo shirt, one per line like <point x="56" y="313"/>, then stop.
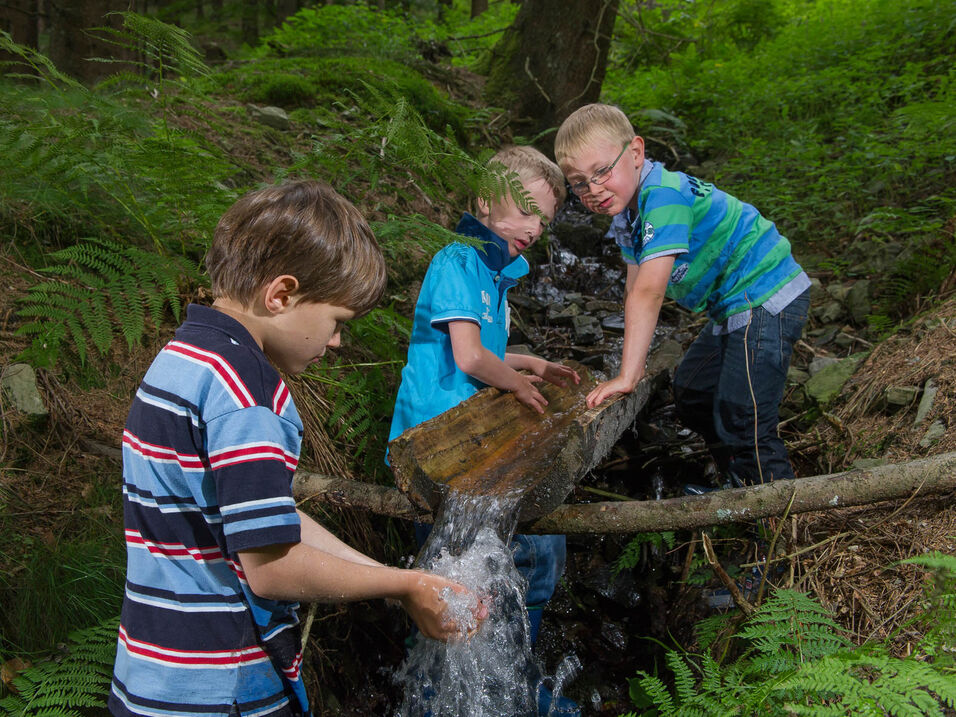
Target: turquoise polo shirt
<point x="463" y="283"/>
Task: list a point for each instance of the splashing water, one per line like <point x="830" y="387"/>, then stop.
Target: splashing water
<point x="493" y="673"/>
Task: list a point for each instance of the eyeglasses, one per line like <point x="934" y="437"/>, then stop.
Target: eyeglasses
<point x="599" y="177"/>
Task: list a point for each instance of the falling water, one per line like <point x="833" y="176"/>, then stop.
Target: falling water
<point x="492" y="673"/>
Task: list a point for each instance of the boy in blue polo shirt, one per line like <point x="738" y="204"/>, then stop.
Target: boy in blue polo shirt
<point x="460" y="334"/>
<point x="218" y="555"/>
<point x="708" y="251"/>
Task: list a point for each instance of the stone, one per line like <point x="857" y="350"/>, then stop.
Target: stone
<point x="817" y="292"/>
<point x="858" y="301"/>
<point x="828" y="312"/>
<point x="587" y="329"/>
<point x="614" y="322"/>
<point x="837" y="291"/>
<point x="926" y="402"/>
<point x="797" y="376"/>
<point x="900" y="396"/>
<point x="821" y="362"/>
<point x="595" y="305"/>
<point x="826" y="383"/>
<point x="563" y="315"/>
<point x="936" y="431"/>
<point x="274" y="117"/>
<point x="574" y="297"/>
<point x="665" y="357"/>
<point x="19" y="382"/>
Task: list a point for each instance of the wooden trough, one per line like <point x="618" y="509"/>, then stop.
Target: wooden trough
<point x="492" y="444"/>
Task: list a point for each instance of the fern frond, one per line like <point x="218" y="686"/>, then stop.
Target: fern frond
<point x="684" y="681"/>
<point x="70" y="684"/>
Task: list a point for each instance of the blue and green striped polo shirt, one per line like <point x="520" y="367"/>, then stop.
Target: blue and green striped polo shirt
<point x="727" y="257"/>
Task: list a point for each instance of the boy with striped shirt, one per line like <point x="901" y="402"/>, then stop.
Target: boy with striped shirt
<point x="685" y="239"/>
<point x="217" y="553"/>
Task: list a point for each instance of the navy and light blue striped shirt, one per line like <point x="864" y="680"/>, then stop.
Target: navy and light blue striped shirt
<point x="209" y="451"/>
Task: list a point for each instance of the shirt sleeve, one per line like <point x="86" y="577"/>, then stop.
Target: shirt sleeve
<point x="253" y="454"/>
<point x="453" y="285"/>
<point x="666" y="221"/>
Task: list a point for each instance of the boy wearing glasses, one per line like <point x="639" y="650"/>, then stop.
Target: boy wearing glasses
<point x="685" y="239"/>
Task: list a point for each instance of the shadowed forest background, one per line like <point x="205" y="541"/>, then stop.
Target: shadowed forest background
<point x="127" y="129"/>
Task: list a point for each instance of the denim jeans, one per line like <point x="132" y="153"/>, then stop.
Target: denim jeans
<point x="539" y="558"/>
<point x="712" y="391"/>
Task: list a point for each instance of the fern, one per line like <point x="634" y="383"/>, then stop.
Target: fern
<point x="99" y="287"/>
<point x="631" y="555"/>
<point x="63" y="686"/>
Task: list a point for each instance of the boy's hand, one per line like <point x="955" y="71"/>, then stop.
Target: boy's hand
<point x="526" y="392"/>
<point x="556" y="373"/>
<point x="607" y="389"/>
<point x="427" y="603"/>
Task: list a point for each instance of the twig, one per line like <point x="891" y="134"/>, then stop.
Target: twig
<point x="735" y="593"/>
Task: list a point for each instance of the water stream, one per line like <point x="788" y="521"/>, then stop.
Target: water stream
<point x="494" y="672"/>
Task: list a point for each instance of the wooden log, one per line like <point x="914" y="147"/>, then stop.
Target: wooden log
<point x="935" y="474"/>
<point x="491" y="444"/>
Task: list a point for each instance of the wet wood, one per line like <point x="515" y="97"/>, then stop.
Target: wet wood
<point x="492" y="444"/>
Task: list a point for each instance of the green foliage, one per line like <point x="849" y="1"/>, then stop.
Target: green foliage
<point x="69" y="684"/>
<point x="343" y="30"/>
<point x="792" y="660"/>
<point x="101" y="289"/>
<point x="631" y="554"/>
<point x="842" y="111"/>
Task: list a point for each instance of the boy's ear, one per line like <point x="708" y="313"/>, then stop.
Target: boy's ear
<point x="277" y="294"/>
<point x="483" y="207"/>
<point x="637" y="148"/>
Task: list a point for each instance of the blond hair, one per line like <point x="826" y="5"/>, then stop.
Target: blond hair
<point x="304" y="229"/>
<point x="531" y="165"/>
<point x="589" y="124"/>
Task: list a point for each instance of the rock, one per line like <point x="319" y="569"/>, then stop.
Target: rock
<point x="936" y="431"/>
<point x="587" y="329"/>
<point x="926" y="402"/>
<point x="19" y="382"/>
<point x="614" y="322"/>
<point x="826" y="383"/>
<point x="828" y="313"/>
<point x="573" y="297"/>
<point x="858" y="301"/>
<point x="900" y="396"/>
<point x="595" y="305"/>
<point x="817" y="292"/>
<point x="797" y="376"/>
<point x="838" y="291"/>
<point x="525" y="302"/>
<point x="665" y="357"/>
<point x="821" y="362"/>
<point x="274" y="117"/>
<point x="561" y="314"/>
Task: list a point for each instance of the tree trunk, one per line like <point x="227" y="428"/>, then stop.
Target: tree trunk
<point x="200" y="13"/>
<point x="250" y="22"/>
<point x="551" y="61"/>
<point x="936" y="474"/>
<point x="21" y="19"/>
<point x="72" y="41"/>
<point x="478" y="7"/>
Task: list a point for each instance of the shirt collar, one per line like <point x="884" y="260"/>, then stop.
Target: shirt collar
<point x="213" y="318"/>
<point x="492" y="249"/>
<point x="629" y="214"/>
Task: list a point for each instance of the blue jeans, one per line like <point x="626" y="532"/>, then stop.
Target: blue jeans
<point x="712" y="391"/>
<point x="539" y="558"/>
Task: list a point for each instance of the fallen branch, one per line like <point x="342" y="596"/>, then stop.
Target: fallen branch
<point x="936" y="474"/>
<point x="350" y="493"/>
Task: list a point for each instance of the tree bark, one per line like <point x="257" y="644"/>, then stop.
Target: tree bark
<point x="478" y="7"/>
<point x="72" y="43"/>
<point x="250" y="22"/>
<point x="936" y="474"/>
<point x="21" y="19"/>
<point x="551" y="60"/>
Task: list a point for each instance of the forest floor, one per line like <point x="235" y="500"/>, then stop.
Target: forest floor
<point x="57" y="484"/>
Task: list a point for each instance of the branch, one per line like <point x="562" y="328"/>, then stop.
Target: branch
<point x="936" y="474"/>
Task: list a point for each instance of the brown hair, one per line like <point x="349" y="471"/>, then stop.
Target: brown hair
<point x="305" y="229"/>
<point x="589" y="123"/>
<point x="530" y="164"/>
